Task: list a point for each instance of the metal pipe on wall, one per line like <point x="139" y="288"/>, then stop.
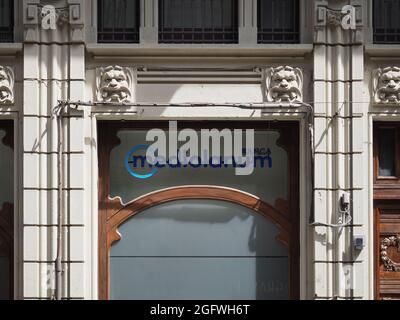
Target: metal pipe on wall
<point x="351" y="147"/>
<point x="59" y="110"/>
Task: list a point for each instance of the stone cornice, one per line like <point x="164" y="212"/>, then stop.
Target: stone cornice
<point x="10" y="49"/>
<point x="383" y="50"/>
<point x="134" y="50"/>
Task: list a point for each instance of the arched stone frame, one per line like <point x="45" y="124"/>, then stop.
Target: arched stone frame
<point x="7" y="214"/>
<point x="284" y="213"/>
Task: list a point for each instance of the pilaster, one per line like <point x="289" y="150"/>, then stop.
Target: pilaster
<point x="340" y="159"/>
<point x="53" y="70"/>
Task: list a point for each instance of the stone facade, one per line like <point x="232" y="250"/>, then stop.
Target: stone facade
<point x="349" y="82"/>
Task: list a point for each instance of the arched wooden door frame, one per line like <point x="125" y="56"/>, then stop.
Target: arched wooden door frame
<point x="112" y="213"/>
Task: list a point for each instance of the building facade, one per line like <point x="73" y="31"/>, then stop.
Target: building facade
<point x="83" y="81"/>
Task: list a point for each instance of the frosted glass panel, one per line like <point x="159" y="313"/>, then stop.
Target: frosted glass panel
<point x="6" y="172"/>
<point x="4" y="278"/>
<point x="199" y="278"/>
<point x="203" y="227"/>
<point x="268" y="181"/>
<point x="198" y="249"/>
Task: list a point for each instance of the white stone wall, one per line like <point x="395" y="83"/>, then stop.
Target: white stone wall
<point x="337" y="67"/>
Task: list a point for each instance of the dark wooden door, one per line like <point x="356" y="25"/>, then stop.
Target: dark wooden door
<point x="387" y="249"/>
<point x="387" y="209"/>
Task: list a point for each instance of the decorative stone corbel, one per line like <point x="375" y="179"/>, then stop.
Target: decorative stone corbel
<point x="6" y="85"/>
<point x="386" y="86"/>
<point x="284" y="84"/>
<point x="115" y="84"/>
<point x="388" y="263"/>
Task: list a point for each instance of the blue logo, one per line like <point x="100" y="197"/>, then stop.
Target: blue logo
<point x="135" y="160"/>
<point x="132" y="161"/>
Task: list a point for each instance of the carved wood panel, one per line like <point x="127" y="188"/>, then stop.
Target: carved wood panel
<point x="387" y="249"/>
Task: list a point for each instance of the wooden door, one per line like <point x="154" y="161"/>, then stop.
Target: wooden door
<point x="387" y="209"/>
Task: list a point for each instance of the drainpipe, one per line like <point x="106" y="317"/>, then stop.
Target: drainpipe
<point x="351" y="147"/>
<point x="59" y="110"/>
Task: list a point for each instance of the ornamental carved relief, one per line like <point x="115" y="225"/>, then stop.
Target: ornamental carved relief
<point x="389" y="264"/>
<point x="346" y="16"/>
<point x="334" y="18"/>
<point x="387" y="86"/>
<point x="115" y="84"/>
<point x="284" y="84"/>
<point x="6" y="85"/>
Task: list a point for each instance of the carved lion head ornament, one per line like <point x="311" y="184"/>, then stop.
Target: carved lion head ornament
<point x="387" y="85"/>
<point x="284" y="84"/>
<point x="115" y="84"/>
<point x="6" y="85"/>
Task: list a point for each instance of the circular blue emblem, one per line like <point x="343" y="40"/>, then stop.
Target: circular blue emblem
<point x="128" y="161"/>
